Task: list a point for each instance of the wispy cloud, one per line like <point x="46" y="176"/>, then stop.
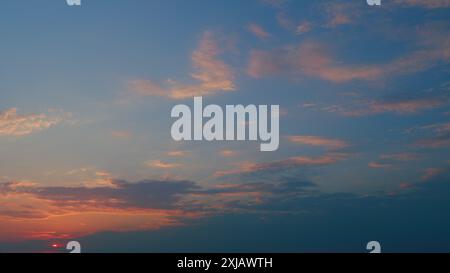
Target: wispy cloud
<point x="121" y="134"/>
<point x="430" y="173"/>
<point x="292" y="162"/>
<point x="212" y="75"/>
<point x="400" y="156"/>
<point x="228" y="153"/>
<point x="440" y="141"/>
<point x="438" y="136"/>
<point x="319" y="141"/>
<point x="258" y="31"/>
<point x="178" y="153"/>
<point x="401" y="106"/>
<point x="313" y="59"/>
<point x="14" y="124"/>
<point x="303" y="27"/>
<point x="407" y="106"/>
<point x="379" y="165"/>
<point x="340" y="14"/>
<point x="158" y="164"/>
<point x="390" y="160"/>
<point x="308" y="59"/>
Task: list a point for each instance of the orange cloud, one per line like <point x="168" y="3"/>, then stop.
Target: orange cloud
<point x="75" y="224"/>
<point x="228" y="153"/>
<point x="211" y="74"/>
<point x="177" y="153"/>
<point x="13" y="124"/>
<point x="31" y="212"/>
<point x="158" y="164"/>
<point x="121" y="134"/>
<point x="319" y="141"/>
<point x="378" y="165"/>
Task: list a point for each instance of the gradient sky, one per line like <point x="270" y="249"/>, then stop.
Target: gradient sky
<point x="86" y="151"/>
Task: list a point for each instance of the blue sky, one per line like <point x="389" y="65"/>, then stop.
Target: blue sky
<point x="85" y="145"/>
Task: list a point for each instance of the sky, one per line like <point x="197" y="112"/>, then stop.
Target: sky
<point x="86" y="153"/>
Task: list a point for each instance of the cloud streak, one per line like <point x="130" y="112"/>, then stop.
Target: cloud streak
<point x="313" y="59"/>
<point x="14" y="124"/>
<point x="319" y="141"/>
<point x="258" y="31"/>
<point x="292" y="162"/>
<point x="212" y="75"/>
<point x="438" y="136"/>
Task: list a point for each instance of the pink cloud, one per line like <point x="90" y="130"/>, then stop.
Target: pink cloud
<point x="405" y="106"/>
<point x="431" y="173"/>
<point x="440" y="136"/>
<point x="258" y="31"/>
<point x="319" y="141"/>
<point x="439" y="128"/>
<point x="406" y="186"/>
<point x="313" y="59"/>
<point x="308" y="59"/>
<point x="303" y="28"/>
<point x="340" y="14"/>
<point x="211" y="74"/>
<point x="378" y="165"/>
<point x="402" y="107"/>
<point x="437" y="142"/>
